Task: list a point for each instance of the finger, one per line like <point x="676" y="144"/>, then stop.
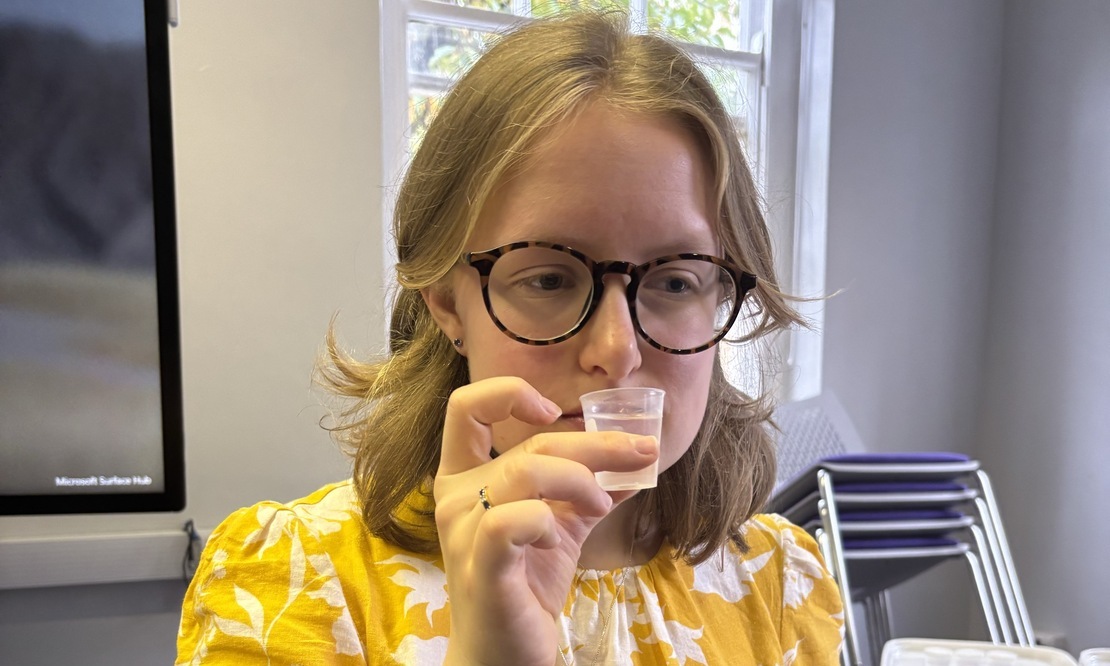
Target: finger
<point x="549" y="478"/>
<point x="474" y="408"/>
<point x="605" y="451"/>
<point x="505" y="530"/>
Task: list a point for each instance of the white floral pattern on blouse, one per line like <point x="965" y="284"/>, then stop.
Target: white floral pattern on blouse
<point x="304" y="583"/>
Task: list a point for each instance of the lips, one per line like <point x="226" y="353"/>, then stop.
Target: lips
<point x="574" y="420"/>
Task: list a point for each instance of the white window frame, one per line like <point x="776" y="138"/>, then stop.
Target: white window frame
<point x="791" y="147"/>
<point x="799" y="76"/>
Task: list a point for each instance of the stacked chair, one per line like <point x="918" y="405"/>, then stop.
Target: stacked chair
<point x="883" y="518"/>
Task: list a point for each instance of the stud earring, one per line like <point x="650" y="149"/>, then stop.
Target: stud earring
<point x="457" y="342"/>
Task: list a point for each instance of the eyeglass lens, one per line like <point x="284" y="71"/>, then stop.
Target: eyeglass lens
<point x="540" y="293"/>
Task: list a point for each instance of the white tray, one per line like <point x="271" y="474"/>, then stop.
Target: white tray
<point x="938" y="652"/>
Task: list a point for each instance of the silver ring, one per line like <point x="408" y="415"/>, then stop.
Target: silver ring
<point x="483" y="497"/>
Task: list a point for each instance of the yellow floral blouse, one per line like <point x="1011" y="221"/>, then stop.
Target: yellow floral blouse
<point x="304" y="583"/>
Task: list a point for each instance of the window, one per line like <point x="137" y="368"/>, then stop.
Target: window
<point x="758" y="78"/>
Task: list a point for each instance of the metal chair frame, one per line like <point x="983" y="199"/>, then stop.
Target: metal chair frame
<point x="988" y="559"/>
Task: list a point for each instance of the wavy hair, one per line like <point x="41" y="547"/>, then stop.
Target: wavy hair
<point x="529" y="81"/>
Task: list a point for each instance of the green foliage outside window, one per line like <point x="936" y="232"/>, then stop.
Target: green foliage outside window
<point x="708" y="22"/>
<point x="445" y="52"/>
<point x="549" y="7"/>
<point x="541" y="7"/>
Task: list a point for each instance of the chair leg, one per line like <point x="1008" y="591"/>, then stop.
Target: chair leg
<point x="986" y="562"/>
<point x="874" y="632"/>
<point x="984" y="596"/>
<point x="830" y="521"/>
<point x="823" y="543"/>
<point x="1008" y="617"/>
<point x="1018" y="610"/>
<point x="883" y="599"/>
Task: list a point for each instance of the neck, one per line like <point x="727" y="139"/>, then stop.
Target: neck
<point x="611" y="544"/>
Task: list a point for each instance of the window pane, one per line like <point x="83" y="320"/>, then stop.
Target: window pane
<point x="422" y="108"/>
<point x="437" y="56"/>
<point x="540" y="7"/>
<point x="709" y="22"/>
<point x="492" y="5"/>
<point x="442" y="51"/>
<point x="738" y="93"/>
<point x="548" y="7"/>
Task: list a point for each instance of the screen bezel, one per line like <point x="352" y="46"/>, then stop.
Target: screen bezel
<point x="172" y="497"/>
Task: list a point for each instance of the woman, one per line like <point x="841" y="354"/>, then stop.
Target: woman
<point x="579" y="216"/>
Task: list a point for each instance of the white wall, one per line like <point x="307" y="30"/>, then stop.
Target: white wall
<point x="914" y="129"/>
<point x="1045" y="421"/>
<point x="969" y="224"/>
<point x="278" y="133"/>
<point x="277" y="129"/>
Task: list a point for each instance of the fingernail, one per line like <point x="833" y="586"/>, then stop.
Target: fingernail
<point x="608" y="501"/>
<point x="550" y="407"/>
<point x="646" y="444"/>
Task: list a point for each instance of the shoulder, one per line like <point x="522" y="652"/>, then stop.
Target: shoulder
<point x="798" y="564"/>
<point x="773" y="528"/>
<point x="327" y="511"/>
<point x="808" y="599"/>
<point x="324" y="531"/>
<point x="778" y="588"/>
<point x="778" y="552"/>
<point x="779" y="557"/>
<point x="271" y="580"/>
<point x="798" y="550"/>
<point x="267" y="540"/>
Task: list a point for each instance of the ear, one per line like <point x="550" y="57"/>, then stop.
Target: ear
<point x="440" y="299"/>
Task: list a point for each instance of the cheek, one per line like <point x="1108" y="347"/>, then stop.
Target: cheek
<point x="687" y="397"/>
<point x="491" y="353"/>
<point x="487" y="349"/>
<point x="497" y="355"/>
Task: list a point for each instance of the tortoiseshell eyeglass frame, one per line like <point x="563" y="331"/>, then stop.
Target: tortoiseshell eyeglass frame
<point x="483" y="263"/>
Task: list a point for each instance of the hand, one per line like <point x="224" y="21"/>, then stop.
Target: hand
<point x="509" y="569"/>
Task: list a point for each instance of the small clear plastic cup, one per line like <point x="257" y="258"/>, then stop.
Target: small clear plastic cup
<point x="634" y="410"/>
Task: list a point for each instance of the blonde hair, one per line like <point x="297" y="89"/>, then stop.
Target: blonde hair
<point x="528" y="82"/>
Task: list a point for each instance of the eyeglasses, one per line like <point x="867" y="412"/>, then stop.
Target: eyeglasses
<point x="542" y="293"/>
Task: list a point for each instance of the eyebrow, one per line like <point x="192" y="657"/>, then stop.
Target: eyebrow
<point x="656" y="251"/>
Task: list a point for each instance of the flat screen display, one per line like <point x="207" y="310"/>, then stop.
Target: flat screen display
<point x="90" y="381"/>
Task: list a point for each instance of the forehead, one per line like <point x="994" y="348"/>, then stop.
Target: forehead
<point x="607" y="181"/>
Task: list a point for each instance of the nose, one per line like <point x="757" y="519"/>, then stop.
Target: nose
<point x="612" y="346"/>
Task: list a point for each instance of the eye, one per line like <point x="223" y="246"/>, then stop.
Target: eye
<point x="673" y="281"/>
<point x="675" y="285"/>
<point x="547" y="281"/>
<point x="544" y="280"/>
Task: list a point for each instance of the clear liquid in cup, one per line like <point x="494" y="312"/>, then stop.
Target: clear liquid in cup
<point x="639" y="424"/>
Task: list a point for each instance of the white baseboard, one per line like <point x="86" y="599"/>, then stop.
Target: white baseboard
<point x="100" y="558"/>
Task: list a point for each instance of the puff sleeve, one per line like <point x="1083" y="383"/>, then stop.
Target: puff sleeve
<point x="267" y="592"/>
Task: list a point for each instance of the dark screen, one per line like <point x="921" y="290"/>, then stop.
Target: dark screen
<point x="90" y="398"/>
